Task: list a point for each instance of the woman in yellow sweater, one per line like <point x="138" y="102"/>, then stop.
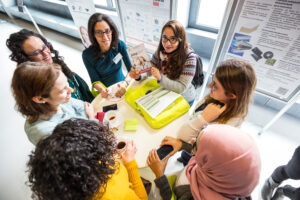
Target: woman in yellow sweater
<point x="78" y="162"/>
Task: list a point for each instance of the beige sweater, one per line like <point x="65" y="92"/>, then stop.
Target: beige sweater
<point x="192" y="128"/>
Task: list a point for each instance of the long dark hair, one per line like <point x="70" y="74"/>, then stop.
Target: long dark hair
<point x="98" y="17"/>
<point x="15" y="44"/>
<point x="178" y="57"/>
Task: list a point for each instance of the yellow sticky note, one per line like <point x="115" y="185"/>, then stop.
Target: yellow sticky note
<point x="131" y="124"/>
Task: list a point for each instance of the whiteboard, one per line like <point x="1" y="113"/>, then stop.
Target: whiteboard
<point x="142" y="21"/>
<point x="267" y="35"/>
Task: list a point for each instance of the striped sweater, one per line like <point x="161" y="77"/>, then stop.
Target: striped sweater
<point x="182" y="85"/>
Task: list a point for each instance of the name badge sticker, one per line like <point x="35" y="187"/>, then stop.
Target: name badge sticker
<point x="117" y="58"/>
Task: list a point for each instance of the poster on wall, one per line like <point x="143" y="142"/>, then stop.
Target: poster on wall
<point x="267" y="34"/>
<point x="143" y="21"/>
<point x="81" y="10"/>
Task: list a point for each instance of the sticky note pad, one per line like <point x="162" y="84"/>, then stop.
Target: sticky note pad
<point x="131" y="124"/>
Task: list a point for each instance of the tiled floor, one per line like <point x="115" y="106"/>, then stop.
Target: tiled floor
<point x="276" y="145"/>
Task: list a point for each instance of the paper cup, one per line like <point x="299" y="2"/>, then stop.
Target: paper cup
<point x="113" y="118"/>
<point x="121" y="147"/>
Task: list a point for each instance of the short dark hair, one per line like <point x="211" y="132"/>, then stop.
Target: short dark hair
<point x="98" y="17"/>
<point x="15" y="44"/>
<point x="75" y="162"/>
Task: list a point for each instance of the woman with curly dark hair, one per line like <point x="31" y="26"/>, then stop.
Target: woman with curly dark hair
<point x="78" y="162"/>
<point x="26" y="45"/>
<point x="174" y="64"/>
<point x="103" y="58"/>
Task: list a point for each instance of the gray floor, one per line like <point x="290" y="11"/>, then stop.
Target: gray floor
<point x="276" y="145"/>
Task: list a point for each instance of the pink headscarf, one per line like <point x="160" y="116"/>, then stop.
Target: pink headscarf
<point x="226" y="165"/>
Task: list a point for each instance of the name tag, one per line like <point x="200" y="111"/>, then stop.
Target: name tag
<point x="117" y="58"/>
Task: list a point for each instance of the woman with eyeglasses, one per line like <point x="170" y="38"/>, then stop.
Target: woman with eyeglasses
<point x="226" y="166"/>
<point x="174" y="64"/>
<point x="25" y="45"/>
<point x="103" y="58"/>
<point x="43" y="96"/>
<point x="230" y="93"/>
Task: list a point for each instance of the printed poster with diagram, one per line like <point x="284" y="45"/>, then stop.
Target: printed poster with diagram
<point x="81" y="10"/>
<point x="157" y="101"/>
<point x="139" y="59"/>
<point x="143" y="21"/>
<point x="267" y="34"/>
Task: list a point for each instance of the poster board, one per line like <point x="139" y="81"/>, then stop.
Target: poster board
<point x="81" y="10"/>
<point x="142" y="21"/>
<point x="267" y="35"/>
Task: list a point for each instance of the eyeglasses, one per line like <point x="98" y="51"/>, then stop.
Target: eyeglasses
<point x="172" y="40"/>
<point x="45" y="48"/>
<point x="213" y="85"/>
<point x="101" y="33"/>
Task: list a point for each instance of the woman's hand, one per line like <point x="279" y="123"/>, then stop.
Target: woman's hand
<point x="134" y="74"/>
<point x="155" y="72"/>
<point x="175" y="143"/>
<point x="156" y="165"/>
<point x="130" y="152"/>
<point x="103" y="91"/>
<point x="121" y="89"/>
<point x="89" y="109"/>
<point x="212" y="111"/>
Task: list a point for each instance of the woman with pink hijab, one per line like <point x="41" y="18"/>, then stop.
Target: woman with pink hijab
<point x="226" y="166"/>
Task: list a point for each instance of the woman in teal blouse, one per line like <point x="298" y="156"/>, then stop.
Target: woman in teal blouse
<point x="103" y="58"/>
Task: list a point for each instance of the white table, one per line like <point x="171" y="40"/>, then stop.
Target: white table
<point x="145" y="138"/>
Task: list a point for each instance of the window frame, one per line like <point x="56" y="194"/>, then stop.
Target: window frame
<point x="60" y="7"/>
<point x="110" y="6"/>
<point x="192" y="22"/>
<point x="55" y="7"/>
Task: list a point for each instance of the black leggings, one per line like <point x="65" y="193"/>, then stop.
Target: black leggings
<point x="289" y="171"/>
